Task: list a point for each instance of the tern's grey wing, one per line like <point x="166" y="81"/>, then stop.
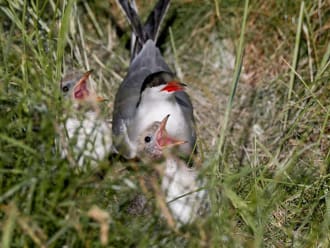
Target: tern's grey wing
<point x="184" y="102"/>
<point x="148" y="61"/>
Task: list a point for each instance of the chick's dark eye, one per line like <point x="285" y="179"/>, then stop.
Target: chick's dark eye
<point x="65" y="89"/>
<point x="147" y="139"/>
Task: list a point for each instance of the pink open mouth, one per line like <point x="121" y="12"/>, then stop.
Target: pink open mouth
<point x="162" y="137"/>
<point x="80" y="90"/>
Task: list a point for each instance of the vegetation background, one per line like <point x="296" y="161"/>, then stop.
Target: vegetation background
<point x="262" y="118"/>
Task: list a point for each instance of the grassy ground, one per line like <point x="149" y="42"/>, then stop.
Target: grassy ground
<point x="265" y="143"/>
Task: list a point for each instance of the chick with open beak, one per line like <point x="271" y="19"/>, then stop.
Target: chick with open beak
<point x="85" y="135"/>
<point x="155" y="139"/>
<point x="179" y="182"/>
<point x="75" y="86"/>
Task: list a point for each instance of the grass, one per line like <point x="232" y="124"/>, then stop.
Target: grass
<point x="271" y="186"/>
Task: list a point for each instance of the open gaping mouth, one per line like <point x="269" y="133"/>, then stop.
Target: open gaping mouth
<point x="80" y="90"/>
<point x="162" y="137"/>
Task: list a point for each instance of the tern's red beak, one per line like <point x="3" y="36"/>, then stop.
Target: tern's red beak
<point x="80" y="91"/>
<point x="162" y="137"/>
<point x="173" y="86"/>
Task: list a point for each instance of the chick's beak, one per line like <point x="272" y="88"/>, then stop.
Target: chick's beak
<point x="87" y="73"/>
<point x="162" y="137"/>
<point x="80" y="90"/>
<point x="100" y="99"/>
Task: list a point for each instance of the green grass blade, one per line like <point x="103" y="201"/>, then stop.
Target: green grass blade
<point x="18" y="144"/>
<point x="324" y="63"/>
<point x="218" y="155"/>
<point x="176" y="63"/>
<point x="237" y="73"/>
<point x="62" y="35"/>
<point x="9" y="226"/>
<point x="295" y="59"/>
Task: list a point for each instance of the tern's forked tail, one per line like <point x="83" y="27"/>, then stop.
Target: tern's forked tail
<point x="150" y="29"/>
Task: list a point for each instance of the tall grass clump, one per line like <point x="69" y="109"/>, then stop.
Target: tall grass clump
<point x="258" y="75"/>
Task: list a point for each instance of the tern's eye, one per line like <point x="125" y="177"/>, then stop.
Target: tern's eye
<point x="65" y="88"/>
<point x="147" y="139"/>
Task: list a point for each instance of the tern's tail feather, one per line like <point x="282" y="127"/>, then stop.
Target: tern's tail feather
<point x="150" y="29"/>
<point x="155" y="19"/>
<point x="134" y="20"/>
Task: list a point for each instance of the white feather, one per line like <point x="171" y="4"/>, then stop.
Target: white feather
<point x="177" y="181"/>
<point x="89" y="137"/>
<point x="154" y="105"/>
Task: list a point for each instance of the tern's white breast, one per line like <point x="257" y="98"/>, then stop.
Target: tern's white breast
<point x="149" y="112"/>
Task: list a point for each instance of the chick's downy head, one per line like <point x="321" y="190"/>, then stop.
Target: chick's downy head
<point x="155" y="139"/>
